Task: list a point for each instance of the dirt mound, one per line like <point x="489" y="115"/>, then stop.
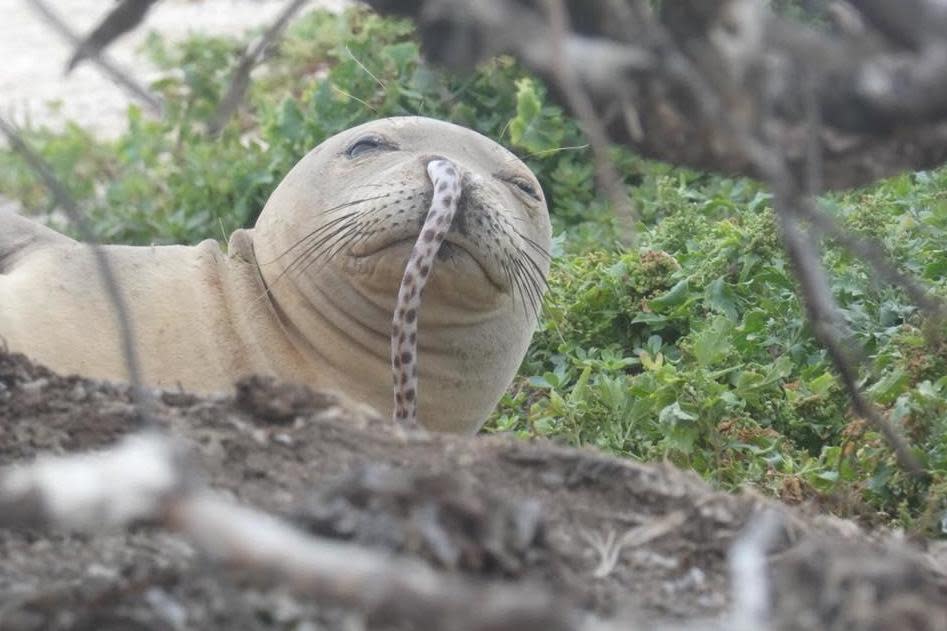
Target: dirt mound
<point x="611" y="536"/>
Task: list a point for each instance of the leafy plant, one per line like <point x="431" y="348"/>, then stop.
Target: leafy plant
<point x="693" y="348"/>
<point x="690" y="347"/>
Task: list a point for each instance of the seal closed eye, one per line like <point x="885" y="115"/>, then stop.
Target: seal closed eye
<point x="367" y="143"/>
<point x="526" y="186"/>
<point x="308" y="294"/>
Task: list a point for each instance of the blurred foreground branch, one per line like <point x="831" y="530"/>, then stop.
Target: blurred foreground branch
<point x="92" y="50"/>
<point x="883" y="99"/>
<point x="65" y="202"/>
<point x="126" y="15"/>
<point x="142" y="480"/>
<point x="251" y="56"/>
<point x="729" y="87"/>
<point x="149" y="479"/>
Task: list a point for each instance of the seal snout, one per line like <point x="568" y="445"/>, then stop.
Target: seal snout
<point x="470" y="193"/>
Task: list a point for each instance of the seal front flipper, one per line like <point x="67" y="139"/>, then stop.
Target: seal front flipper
<point x="19" y="236"/>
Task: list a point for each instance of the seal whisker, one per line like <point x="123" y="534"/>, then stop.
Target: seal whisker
<point x="515" y="287"/>
<point x="509" y="279"/>
<point x="353" y="202"/>
<point x="341" y="206"/>
<point x="313" y="248"/>
<point x="533" y="244"/>
<point x="324" y="235"/>
<point x="538" y="279"/>
<point x="343" y="241"/>
<point x="299" y="263"/>
<point x="326" y="250"/>
<point x="326" y="226"/>
<point x="534" y="294"/>
<point x="305" y="258"/>
<point x="357" y="217"/>
<point x="521" y="288"/>
<point x="365" y="235"/>
<point x="538" y="275"/>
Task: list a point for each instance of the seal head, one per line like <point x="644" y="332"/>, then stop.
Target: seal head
<point x="334" y="238"/>
<point x="308" y="295"/>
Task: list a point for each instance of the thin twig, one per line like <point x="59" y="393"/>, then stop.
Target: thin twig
<point x="65" y="202"/>
<point x="250" y="57"/>
<point x="141" y="480"/>
<point x="100" y="59"/>
<point x="873" y="253"/>
<point x="823" y="315"/>
<point x="371" y="74"/>
<point x="126" y="15"/>
<point x="806" y="259"/>
<point x="580" y="103"/>
<point x="748" y="573"/>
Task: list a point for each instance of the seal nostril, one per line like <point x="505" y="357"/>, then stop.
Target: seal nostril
<point x="469" y="179"/>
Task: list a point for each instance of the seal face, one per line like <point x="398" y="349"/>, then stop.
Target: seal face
<point x="334" y="238"/>
<point x="308" y="294"/>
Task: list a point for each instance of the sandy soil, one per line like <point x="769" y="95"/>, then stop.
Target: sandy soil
<point x="32" y="84"/>
<point x="343" y="473"/>
<point x="494" y="507"/>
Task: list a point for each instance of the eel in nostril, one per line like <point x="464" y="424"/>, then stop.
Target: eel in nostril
<point x="445" y="179"/>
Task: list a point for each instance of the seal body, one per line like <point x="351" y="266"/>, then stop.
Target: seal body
<point x="192" y="319"/>
<point x="308" y="294"/>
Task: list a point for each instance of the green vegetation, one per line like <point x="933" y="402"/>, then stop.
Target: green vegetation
<point x="688" y="346"/>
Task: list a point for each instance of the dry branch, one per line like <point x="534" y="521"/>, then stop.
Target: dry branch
<point x="884" y="105"/>
<point x="116" y="74"/>
<point x="726" y="86"/>
<point x="748" y="563"/>
<point x="124" y="17"/>
<point x="142" y="480"/>
<point x="148" y="479"/>
<point x="65" y="203"/>
<point x="251" y="56"/>
<point x="581" y="104"/>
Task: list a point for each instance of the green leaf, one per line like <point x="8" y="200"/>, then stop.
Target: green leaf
<point x="651" y="319"/>
<point x="290" y="120"/>
<point x="721" y="298"/>
<point x="682" y="432"/>
<point x="673" y="413"/>
<point x="890" y="386"/>
<point x="748" y="380"/>
<point x="403" y="54"/>
<point x="673" y="297"/>
<point x="535" y="129"/>
<point x="713" y="343"/>
<point x="581" y="385"/>
<point x="937" y="269"/>
<point x="548" y="381"/>
<point x="821" y="384"/>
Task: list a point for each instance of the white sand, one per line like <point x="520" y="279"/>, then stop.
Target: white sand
<point x="32" y="85"/>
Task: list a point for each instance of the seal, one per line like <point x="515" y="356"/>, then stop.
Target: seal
<point x="308" y="294"/>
